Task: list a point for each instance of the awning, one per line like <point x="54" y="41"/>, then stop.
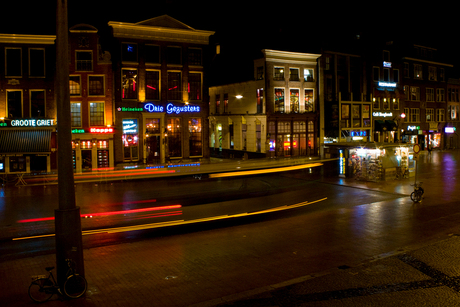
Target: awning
<point x="24" y="141"/>
<point x="379" y="125"/>
<point x="391" y="125"/>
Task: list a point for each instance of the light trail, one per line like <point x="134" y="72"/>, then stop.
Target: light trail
<point x="264" y="171"/>
<point x="180" y="222"/>
<point x="108" y="213"/>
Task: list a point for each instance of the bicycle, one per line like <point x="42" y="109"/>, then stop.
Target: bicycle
<point x="417" y="195"/>
<point x="43" y="288"/>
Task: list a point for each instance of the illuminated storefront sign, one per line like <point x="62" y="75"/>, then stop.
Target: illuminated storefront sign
<point x="78" y="131"/>
<point x="387" y="84"/>
<point x="130" y="126"/>
<point x="358" y="133"/>
<point x="412" y="128"/>
<point x="129" y="109"/>
<point x="101" y="130"/>
<point x="32" y="122"/>
<point x="341" y="163"/>
<point x="386" y="64"/>
<point x="382" y="114"/>
<point x="449" y="129"/>
<point x="171" y="108"/>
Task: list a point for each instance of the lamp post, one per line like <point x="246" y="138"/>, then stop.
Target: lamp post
<point x="67" y="217"/>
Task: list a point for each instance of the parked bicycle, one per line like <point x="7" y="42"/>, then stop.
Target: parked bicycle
<point x="43" y="288"/>
<point x="417" y="195"/>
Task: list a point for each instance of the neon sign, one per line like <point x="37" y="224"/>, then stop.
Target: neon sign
<point x="101" y="130"/>
<point x="171" y="108"/>
<point x="358" y="133"/>
<point x="449" y="129"/>
<point x="387" y="84"/>
<point x="129" y="126"/>
<point x="382" y="114"/>
<point x="32" y="122"/>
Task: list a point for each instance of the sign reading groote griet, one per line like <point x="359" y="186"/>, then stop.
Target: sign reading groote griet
<point x="32" y="122"/>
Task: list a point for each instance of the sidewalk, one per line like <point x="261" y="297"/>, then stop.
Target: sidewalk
<point x="133" y="275"/>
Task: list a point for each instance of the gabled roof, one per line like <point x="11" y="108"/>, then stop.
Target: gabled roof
<point x="164" y="21"/>
<point x="82" y="27"/>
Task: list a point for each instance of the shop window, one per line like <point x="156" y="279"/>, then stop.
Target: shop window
<point x="152" y="84"/>
<point x="129" y="84"/>
<point x="96" y="113"/>
<point x="96" y="86"/>
<point x="36" y="62"/>
<point x="194" y="86"/>
<point x="271" y="135"/>
<point x="13" y="62"/>
<point x="84" y="60"/>
<point x="130" y="139"/>
<point x="258" y="137"/>
<point x="152" y="126"/>
<point x="309" y="102"/>
<point x="2" y="164"/>
<point x="174" y="85"/>
<point x="174" y="137"/>
<point x="152" y="54"/>
<point x="129" y="52"/>
<point x="14" y="103"/>
<point x="244" y="129"/>
<point x="74" y="85"/>
<point x="37" y="103"/>
<point x="17" y="164"/>
<point x="279" y="100"/>
<point x="195" y="137"/>
<point x="75" y="114"/>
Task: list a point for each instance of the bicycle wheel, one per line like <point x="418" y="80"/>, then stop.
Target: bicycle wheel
<point x="413" y="196"/>
<point x="41" y="290"/>
<point x="75" y="286"/>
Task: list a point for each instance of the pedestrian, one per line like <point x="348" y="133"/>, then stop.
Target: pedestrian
<point x="430" y="148"/>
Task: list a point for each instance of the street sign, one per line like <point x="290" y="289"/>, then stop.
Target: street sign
<point x="416" y="157"/>
<point x="416" y="148"/>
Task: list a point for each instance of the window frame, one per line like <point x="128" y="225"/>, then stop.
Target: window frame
<point x="44" y="102"/>
<point x="16" y="68"/>
<point x="95" y="116"/>
<point x="21" y="103"/>
<point x="30" y="64"/>
<point x="81" y="65"/>
<point x="89" y="85"/>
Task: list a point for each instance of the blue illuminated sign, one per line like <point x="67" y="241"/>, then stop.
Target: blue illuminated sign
<point x="359" y="133"/>
<point x="171" y="109"/>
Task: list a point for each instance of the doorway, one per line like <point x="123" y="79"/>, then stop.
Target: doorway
<point x="153" y="149"/>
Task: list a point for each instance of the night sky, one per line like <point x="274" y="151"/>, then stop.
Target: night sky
<point x="255" y="25"/>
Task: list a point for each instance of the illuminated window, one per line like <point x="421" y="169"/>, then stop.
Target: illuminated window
<point x="279" y="100"/>
<point x="418" y="71"/>
<point x="195" y="137"/>
<point x="96" y="86"/>
<point x="152" y="126"/>
<point x="294" y="99"/>
<point x="13" y="62"/>
<point x="36" y="62"/>
<point x="174" y="85"/>
<point x="37" y="103"/>
<point x="74" y="84"/>
<point x="414" y="93"/>
<point x="279" y="73"/>
<point x="152" y="85"/>
<point x="194" y="86"/>
<point x="308" y="75"/>
<point x="260" y="100"/>
<point x="430" y="115"/>
<point x="174" y="137"/>
<point x="309" y="102"/>
<point x="75" y="114"/>
<point x="14" y="103"/>
<point x="86" y="144"/>
<point x="96" y="113"/>
<point x="395" y="103"/>
<point x="84" y="60"/>
<point x="284" y="127"/>
<point x="129" y="84"/>
<point x="376" y="103"/>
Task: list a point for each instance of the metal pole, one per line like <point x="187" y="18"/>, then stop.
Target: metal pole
<point x="67" y="217"/>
